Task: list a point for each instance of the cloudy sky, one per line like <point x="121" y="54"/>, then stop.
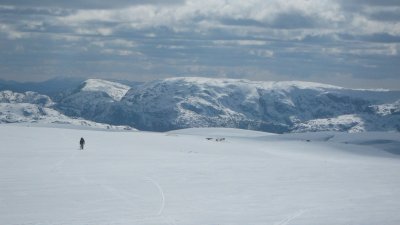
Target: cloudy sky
<point x="352" y="43"/>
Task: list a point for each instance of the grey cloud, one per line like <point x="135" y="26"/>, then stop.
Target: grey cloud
<point x="382" y="37"/>
<point x="86" y="4"/>
<point x="284" y="20"/>
<point x="378" y="37"/>
<point x="376" y="67"/>
<point x="379" y="10"/>
<point x="35" y="11"/>
<point x="325" y="39"/>
<point x="358" y="4"/>
<point x="372" y="2"/>
<point x="175" y="40"/>
<point x="391" y="16"/>
<point x="293" y="20"/>
<point x="242" y="22"/>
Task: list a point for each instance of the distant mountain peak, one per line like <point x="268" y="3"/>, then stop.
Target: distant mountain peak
<point x="115" y="90"/>
<point x="263" y="84"/>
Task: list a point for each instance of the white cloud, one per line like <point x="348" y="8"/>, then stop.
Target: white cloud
<point x="120" y="52"/>
<point x="381" y="49"/>
<point x="82" y="16"/>
<point x="11" y="32"/>
<point x="179" y="15"/>
<point x="66" y="37"/>
<point x="94" y="31"/>
<point x="240" y="42"/>
<point x="365" y="26"/>
<point x="171" y="46"/>
<point x="377" y="49"/>
<point x="262" y="53"/>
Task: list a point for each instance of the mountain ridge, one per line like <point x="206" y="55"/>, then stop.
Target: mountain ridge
<point x="278" y="107"/>
<point x="34" y="108"/>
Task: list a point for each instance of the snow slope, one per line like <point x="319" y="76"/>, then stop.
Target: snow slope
<point x="42" y="116"/>
<point x="115" y="90"/>
<point x="96" y="100"/>
<point x="183" y="179"/>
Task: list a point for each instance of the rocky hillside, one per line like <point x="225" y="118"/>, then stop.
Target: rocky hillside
<point x="267" y="106"/>
<point x="34" y="108"/>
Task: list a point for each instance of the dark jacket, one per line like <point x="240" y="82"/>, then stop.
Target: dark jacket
<point x="82" y="141"/>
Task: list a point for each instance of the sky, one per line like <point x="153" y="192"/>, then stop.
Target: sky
<point x="350" y="43"/>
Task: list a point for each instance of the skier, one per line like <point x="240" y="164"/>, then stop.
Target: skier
<point x="82" y="142"/>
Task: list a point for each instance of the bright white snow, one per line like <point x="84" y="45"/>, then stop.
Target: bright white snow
<point x="180" y="178"/>
<point x="352" y="123"/>
<point x="35" y="115"/>
<point x="115" y="90"/>
<point x="284" y="85"/>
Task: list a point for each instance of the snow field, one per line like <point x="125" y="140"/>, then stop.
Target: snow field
<point x="182" y="178"/>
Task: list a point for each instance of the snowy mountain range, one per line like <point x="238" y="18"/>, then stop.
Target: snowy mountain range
<point x="34" y="108"/>
<point x="177" y="103"/>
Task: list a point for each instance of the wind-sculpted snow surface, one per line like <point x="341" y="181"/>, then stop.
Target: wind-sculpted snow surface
<point x="182" y="178"/>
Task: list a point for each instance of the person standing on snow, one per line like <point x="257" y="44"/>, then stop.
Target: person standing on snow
<point x="82" y="143"/>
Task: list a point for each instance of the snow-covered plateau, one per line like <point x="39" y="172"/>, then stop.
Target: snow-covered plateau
<point x="202" y="176"/>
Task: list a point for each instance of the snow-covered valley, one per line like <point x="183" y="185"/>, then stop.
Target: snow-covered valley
<point x="181" y="178"/>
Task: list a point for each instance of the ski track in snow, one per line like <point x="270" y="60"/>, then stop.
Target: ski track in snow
<point x="126" y="196"/>
<point x="122" y="195"/>
<point x="291" y="217"/>
<point x="160" y="189"/>
<point x="166" y="219"/>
